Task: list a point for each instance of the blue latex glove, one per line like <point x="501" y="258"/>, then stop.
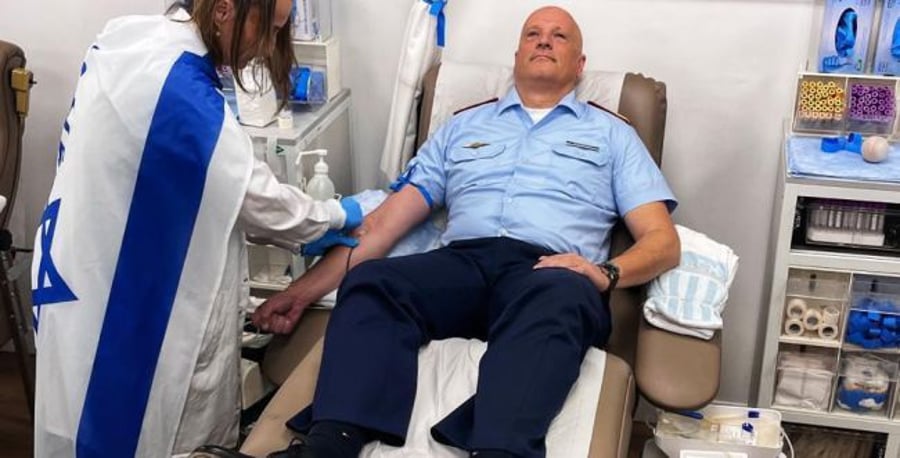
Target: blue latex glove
<point x="330" y="239"/>
<point x="845" y="34"/>
<point x="354" y="213"/>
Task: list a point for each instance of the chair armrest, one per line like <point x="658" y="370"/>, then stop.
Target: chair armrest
<point x="676" y="372"/>
<point x="285" y="352"/>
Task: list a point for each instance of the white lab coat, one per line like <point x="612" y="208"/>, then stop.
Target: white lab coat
<point x="126" y="366"/>
<point x="270" y="210"/>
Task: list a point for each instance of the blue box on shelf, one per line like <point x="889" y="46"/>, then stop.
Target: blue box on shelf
<point x="874" y="319"/>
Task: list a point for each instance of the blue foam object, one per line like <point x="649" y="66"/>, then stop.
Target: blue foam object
<point x="889" y="322"/>
<point x="853" y="399"/>
<point x="870" y="344"/>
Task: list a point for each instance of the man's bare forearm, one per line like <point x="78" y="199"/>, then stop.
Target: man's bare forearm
<point x="380" y="231"/>
<point x="656" y="248"/>
<point x="648" y="258"/>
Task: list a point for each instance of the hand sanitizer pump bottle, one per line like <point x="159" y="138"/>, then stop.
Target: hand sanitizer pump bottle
<point x="320" y="187"/>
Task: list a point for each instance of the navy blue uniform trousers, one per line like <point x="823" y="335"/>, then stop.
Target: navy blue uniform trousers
<point x="538" y="325"/>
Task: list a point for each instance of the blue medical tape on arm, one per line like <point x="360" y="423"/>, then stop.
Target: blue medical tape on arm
<point x="425" y="194"/>
<point x="403" y="180"/>
<point x="437" y="10"/>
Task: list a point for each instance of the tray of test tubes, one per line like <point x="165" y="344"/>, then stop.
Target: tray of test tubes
<point x="852" y="224"/>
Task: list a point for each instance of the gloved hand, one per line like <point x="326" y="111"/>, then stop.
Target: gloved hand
<point x="330" y="239"/>
<point x="354" y="213"/>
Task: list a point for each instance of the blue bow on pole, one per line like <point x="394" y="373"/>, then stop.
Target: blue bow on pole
<point x="437" y="10"/>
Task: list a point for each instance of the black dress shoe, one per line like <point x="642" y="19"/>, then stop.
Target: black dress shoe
<point x="297" y="449"/>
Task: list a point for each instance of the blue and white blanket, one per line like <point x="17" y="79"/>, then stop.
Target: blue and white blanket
<point x="690" y="298"/>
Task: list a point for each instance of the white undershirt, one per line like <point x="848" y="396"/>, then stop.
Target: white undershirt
<point x="537" y="113"/>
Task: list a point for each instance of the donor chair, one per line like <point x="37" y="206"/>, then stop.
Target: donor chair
<point x="671" y="371"/>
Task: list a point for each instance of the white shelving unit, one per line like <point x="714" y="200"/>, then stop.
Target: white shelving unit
<point x="789" y="257"/>
<point x="326" y="126"/>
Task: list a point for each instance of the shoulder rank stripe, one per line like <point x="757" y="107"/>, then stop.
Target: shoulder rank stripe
<point x="485" y="102"/>
<point x="601" y="107"/>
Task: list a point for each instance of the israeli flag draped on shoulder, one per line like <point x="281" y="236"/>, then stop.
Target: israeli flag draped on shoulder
<point x="152" y="170"/>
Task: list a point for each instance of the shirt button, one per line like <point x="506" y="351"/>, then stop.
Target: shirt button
<point x="509" y="200"/>
<point x="503" y="233"/>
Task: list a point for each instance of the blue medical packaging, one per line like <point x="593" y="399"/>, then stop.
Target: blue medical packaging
<point x="846" y="28"/>
<point x="887" y="50"/>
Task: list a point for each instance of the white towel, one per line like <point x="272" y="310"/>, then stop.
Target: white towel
<point x="448" y="375"/>
<point x="689" y="299"/>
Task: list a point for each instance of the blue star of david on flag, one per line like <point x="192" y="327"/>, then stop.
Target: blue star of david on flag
<point x="50" y="287"/>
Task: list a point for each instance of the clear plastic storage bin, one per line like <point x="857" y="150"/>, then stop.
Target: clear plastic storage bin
<point x="805" y="380"/>
<point x="312" y="20"/>
<point x="852" y="224"/>
<point x="874" y="319"/>
<point x="871" y="105"/>
<point x="753" y="432"/>
<point x="821" y="104"/>
<point x="270" y="267"/>
<point x="815" y="305"/>
<point x="866" y="384"/>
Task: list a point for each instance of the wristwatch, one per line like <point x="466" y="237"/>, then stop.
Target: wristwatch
<point x="612" y="273"/>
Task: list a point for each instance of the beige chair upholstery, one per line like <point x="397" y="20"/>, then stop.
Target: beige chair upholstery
<point x="13" y="108"/>
<point x="671" y="371"/>
<point x="15" y="83"/>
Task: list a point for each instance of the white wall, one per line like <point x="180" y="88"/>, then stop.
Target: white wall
<point x="54" y="35"/>
<point x="729" y="66"/>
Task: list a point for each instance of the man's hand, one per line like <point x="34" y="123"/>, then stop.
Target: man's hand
<point x="330" y="239"/>
<point x="279" y="314"/>
<point x="578" y="264"/>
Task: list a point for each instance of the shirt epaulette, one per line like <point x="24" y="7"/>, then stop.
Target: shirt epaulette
<point x="484" y="102"/>
<point x="601" y="107"/>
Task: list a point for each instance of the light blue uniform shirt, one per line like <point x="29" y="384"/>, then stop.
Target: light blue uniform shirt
<point x="561" y="183"/>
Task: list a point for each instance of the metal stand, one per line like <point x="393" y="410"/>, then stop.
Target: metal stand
<point x="12" y="308"/>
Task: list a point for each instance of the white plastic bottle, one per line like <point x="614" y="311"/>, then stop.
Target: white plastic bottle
<point x="320" y="186"/>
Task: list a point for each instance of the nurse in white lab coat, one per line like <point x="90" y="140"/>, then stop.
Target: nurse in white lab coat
<point x="140" y="262"/>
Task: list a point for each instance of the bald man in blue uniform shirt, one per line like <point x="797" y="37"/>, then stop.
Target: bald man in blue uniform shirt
<point x="533" y="184"/>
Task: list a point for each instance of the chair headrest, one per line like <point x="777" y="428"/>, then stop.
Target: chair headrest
<point x="460" y="85"/>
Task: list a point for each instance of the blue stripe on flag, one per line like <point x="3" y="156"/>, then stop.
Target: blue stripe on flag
<point x="179" y="146"/>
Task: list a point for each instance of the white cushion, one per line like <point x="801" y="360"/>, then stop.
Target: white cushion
<point x="460" y="85"/>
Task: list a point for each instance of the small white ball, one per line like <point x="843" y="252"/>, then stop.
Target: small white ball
<point x="875" y="149"/>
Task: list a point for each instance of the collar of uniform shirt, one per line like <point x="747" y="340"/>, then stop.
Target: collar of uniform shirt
<point x="511" y="99"/>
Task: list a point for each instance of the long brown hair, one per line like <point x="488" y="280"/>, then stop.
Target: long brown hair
<point x="279" y="63"/>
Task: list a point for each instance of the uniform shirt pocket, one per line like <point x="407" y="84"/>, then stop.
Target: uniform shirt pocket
<point x="470" y="166"/>
<point x="582" y="170"/>
<point x="463" y="154"/>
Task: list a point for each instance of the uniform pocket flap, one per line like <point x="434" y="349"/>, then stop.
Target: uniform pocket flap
<point x="463" y="154"/>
